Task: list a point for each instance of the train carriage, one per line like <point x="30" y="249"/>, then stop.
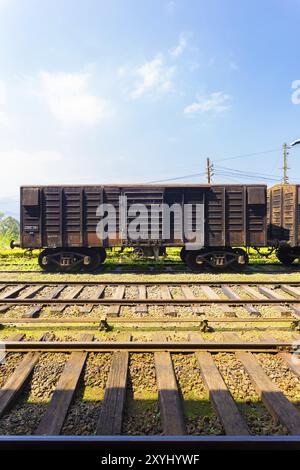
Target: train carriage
<point x="63" y="221"/>
<point x="284" y="221"/>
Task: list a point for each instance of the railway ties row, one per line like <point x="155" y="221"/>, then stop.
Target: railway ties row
<point x="171" y="405"/>
<point x="27" y="294"/>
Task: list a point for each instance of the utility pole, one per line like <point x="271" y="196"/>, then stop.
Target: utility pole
<point x="285" y="179"/>
<point x="209" y="170"/>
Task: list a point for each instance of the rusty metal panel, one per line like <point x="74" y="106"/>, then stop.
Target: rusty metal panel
<point x="30" y="219"/>
<point x="256" y="216"/>
<point x="92" y="198"/>
<point x="230" y="218"/>
<point x="235" y="216"/>
<point x="284" y="213"/>
<point x="194" y="219"/>
<point x="111" y="195"/>
<point x="53" y="216"/>
<point x="256" y="195"/>
<point x="30" y="196"/>
<point x="215" y="216"/>
<point x="148" y="197"/>
<point x="72" y="216"/>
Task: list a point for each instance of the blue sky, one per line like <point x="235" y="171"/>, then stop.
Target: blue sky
<point x="121" y="91"/>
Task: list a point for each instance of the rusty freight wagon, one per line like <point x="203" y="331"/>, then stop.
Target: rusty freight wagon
<point x="63" y="221"/>
<point x="284" y="221"/>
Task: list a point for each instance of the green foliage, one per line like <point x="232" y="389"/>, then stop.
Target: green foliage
<point x="9" y="229"/>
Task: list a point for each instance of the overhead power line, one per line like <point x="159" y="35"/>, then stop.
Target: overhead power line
<point x="247" y="155"/>
<point x="177" y="178"/>
<point x="241" y="173"/>
<point x="254" y="173"/>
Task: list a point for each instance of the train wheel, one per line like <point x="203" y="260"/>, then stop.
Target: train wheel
<point x="285" y="255"/>
<point x="217" y="259"/>
<point x="195" y="260"/>
<point x="46" y="262"/>
<point x="183" y="254"/>
<point x="242" y="259"/>
<point x="93" y="258"/>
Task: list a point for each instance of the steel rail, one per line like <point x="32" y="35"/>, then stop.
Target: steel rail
<point x="149" y="283"/>
<point x="109" y="301"/>
<point x="142" y="347"/>
<point x="142" y="445"/>
<point x="117" y="320"/>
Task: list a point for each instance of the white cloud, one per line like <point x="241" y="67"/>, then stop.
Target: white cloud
<point x="3" y="93"/>
<point x="181" y="46"/>
<point x="4" y="3"/>
<point x="3" y="100"/>
<point x="70" y="101"/>
<point x="153" y="77"/>
<point x="217" y="102"/>
<point x="27" y="167"/>
<point x="170" y="7"/>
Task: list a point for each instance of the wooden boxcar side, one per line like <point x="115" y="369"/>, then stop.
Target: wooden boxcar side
<point x="284" y="214"/>
<point x="65" y="216"/>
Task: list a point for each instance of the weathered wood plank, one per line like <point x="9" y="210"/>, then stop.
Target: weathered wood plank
<point x="97" y="295"/>
<point x="13" y="386"/>
<point x="13" y="292"/>
<point x="169" y="401"/>
<point x="295" y="292"/>
<point x="112" y="410"/>
<point x="259" y="296"/>
<point x="211" y="294"/>
<point x="291" y="360"/>
<point x="229" y="292"/>
<point x="34" y="311"/>
<point x="279" y="406"/>
<point x="188" y="294"/>
<point x="26" y="295"/>
<point x="142" y="309"/>
<point x="271" y="294"/>
<point x="56" y="412"/>
<point x="72" y="295"/>
<point x="166" y="295"/>
<point x="219" y="395"/>
<point x="15" y="337"/>
<point x="114" y="310"/>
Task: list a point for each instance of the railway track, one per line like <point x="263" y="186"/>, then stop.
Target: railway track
<point x="177" y="268"/>
<point x="106" y="304"/>
<point x="251" y="388"/>
<point x="165" y="364"/>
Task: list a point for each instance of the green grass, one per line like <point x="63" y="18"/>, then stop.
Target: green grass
<point x="22" y="259"/>
<point x="18" y="259"/>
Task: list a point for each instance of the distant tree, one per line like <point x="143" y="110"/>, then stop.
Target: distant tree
<point x="9" y="229"/>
